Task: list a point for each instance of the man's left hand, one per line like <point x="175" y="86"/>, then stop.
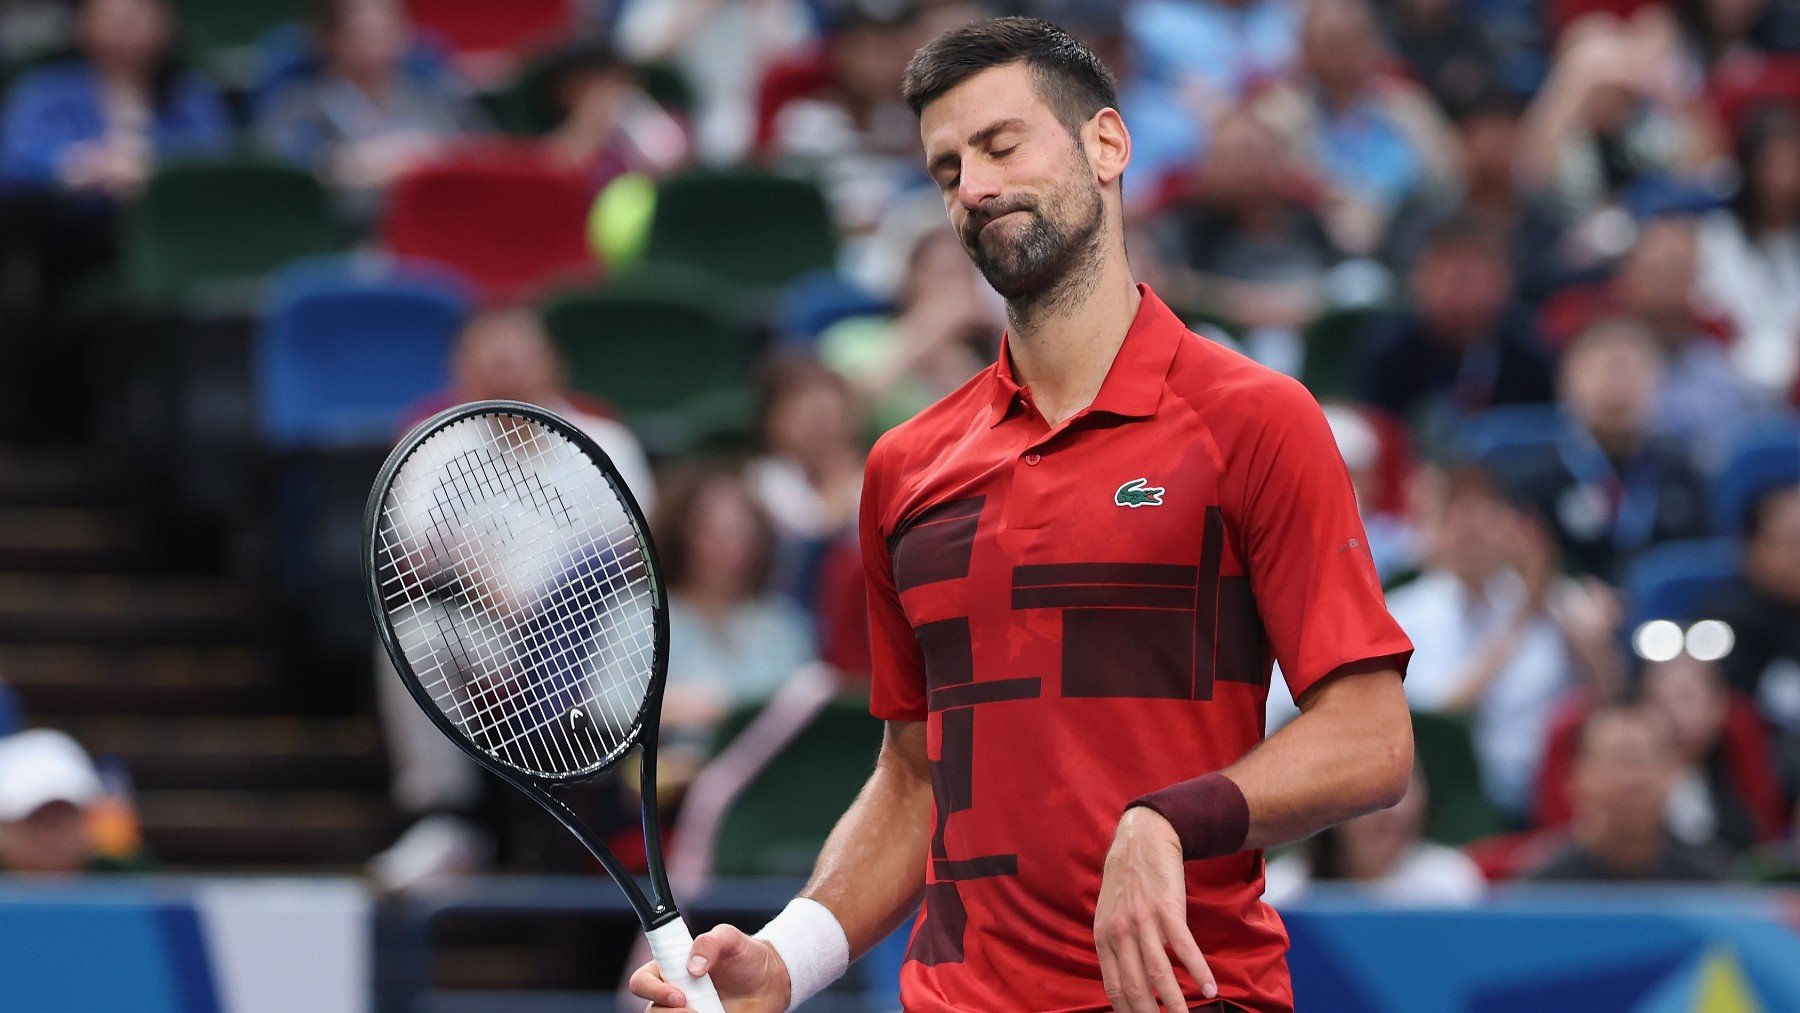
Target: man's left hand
<point x="1142" y="915"/>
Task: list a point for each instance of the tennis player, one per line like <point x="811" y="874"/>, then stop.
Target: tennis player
<point x="1080" y="565"/>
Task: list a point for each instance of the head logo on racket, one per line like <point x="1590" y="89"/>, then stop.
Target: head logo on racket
<point x="1138" y="493"/>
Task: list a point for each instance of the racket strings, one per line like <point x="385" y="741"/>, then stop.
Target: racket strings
<point x="519" y="592"/>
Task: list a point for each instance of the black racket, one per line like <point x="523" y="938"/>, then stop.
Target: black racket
<point x="515" y="587"/>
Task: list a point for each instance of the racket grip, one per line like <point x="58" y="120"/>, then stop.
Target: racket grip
<point x="670" y="943"/>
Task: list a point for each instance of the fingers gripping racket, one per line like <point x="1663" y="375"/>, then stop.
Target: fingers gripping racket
<point x="515" y="587"/>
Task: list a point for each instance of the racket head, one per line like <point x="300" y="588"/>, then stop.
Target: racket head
<point x="504" y="671"/>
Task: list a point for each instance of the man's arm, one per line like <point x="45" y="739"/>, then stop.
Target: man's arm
<point x="1348" y="753"/>
<point x="869" y="876"/>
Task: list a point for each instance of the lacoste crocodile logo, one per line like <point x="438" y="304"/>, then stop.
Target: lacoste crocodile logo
<point x="1138" y="493"/>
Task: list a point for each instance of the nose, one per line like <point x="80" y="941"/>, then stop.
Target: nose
<point x="979" y="183"/>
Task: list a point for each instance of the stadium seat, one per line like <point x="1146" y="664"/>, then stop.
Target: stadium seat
<point x="1333" y="351"/>
<point x="505" y="213"/>
<point x="348" y="344"/>
<point x="652" y="342"/>
<point x="1765" y="457"/>
<point x="483" y="28"/>
<point x="819" y="299"/>
<point x="1459" y="812"/>
<point x="777" y="824"/>
<point x="1508" y="434"/>
<point x="783" y="82"/>
<point x="207" y="232"/>
<point x="1676" y="580"/>
<point x="226" y="35"/>
<point x="755" y="229"/>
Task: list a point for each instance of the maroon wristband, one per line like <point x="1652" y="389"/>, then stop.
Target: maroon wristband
<point x="1209" y="814"/>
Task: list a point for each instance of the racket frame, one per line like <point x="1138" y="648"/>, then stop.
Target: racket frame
<point x="658" y="908"/>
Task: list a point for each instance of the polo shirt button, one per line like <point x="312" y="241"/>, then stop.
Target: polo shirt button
<point x="1033" y="459"/>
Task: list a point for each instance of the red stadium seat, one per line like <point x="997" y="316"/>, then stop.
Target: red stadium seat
<point x="785" y="81"/>
<point x="482" y="28"/>
<point x="505" y="214"/>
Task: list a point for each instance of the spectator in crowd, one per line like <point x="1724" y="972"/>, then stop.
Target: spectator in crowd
<point x="1247" y="243"/>
<point x="1382" y="855"/>
<point x="505" y="353"/>
<point x="1616" y="110"/>
<point x="855" y="136"/>
<point x="732" y="639"/>
<point x="54" y="810"/>
<point x="1446" y="50"/>
<point x="1465" y="345"/>
<point x="723" y="48"/>
<point x="606" y="123"/>
<point x="1715" y="31"/>
<point x="1625" y="768"/>
<point x="1372" y="137"/>
<point x="1610" y="486"/>
<point x="1749" y="255"/>
<point x="363" y="120"/>
<point x="946" y="328"/>
<point x="1762" y="607"/>
<point x="809" y="476"/>
<point x="1490" y="190"/>
<point x="1486" y="640"/>
<point x="96" y="125"/>
<point x="1379" y="472"/>
<point x="1210" y="54"/>
<point x="1727" y="795"/>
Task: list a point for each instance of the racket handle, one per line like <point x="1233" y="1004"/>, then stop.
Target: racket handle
<point x="670" y="944"/>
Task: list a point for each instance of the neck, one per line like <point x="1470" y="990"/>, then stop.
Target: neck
<point x="1063" y="341"/>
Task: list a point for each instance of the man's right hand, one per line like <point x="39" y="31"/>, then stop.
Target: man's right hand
<point x="747" y="972"/>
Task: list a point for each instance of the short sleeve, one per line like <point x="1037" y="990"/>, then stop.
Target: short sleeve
<point x="897" y="666"/>
<point x="1307" y="555"/>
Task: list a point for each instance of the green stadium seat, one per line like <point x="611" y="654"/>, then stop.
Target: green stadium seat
<point x="656" y="342"/>
<point x="527" y="107"/>
<point x="755" y="229"/>
<point x="776" y="826"/>
<point x="223" y="34"/>
<point x="204" y="234"/>
<point x="1334" y="351"/>
<point x="1459" y="811"/>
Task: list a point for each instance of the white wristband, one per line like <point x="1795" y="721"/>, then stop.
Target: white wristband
<point x="810" y="941"/>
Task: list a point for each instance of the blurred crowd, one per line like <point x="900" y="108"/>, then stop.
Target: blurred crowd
<point x="1540" y="261"/>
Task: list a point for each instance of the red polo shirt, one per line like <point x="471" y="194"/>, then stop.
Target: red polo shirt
<point x="1086" y="613"/>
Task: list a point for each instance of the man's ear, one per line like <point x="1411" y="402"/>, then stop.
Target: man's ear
<point x="1108" y="145"/>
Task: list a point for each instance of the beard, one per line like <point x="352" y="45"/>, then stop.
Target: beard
<point x="1036" y="256"/>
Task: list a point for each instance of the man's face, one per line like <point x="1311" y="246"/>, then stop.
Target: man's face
<point x="1610" y="387"/>
<point x="1018" y="188"/>
<point x="1773" y="554"/>
<point x="1623" y="776"/>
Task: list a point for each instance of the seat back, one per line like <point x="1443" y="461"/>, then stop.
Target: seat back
<point x="777" y="825"/>
<point x="1678" y="580"/>
<point x="1765" y="458"/>
<point x="483" y="27"/>
<point x="345" y="348"/>
<point x="653" y="340"/>
<point x="1460" y="811"/>
<point x="751" y="228"/>
<point x="211" y="230"/>
<point x="505" y="214"/>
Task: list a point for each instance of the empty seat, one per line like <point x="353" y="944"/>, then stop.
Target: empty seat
<point x="486" y="28"/>
<point x="348" y="344"/>
<point x="752" y="228"/>
<point x="209" y="231"/>
<point x="1764" y="458"/>
<point x="1459" y="810"/>
<point x="652" y="342"/>
<point x="1678" y="580"/>
<point x="506" y="214"/>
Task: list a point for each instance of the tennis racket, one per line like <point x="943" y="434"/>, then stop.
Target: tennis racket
<point x="514" y="585"/>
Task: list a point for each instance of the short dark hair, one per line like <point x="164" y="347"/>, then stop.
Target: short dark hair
<point x="1068" y="76"/>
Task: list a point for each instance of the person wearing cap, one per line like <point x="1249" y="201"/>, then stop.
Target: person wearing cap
<point x="53" y="806"/>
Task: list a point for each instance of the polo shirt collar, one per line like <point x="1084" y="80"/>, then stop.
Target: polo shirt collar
<point x="1133" y="385"/>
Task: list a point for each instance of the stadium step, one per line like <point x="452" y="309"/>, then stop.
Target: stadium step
<point x="70" y="680"/>
<point x="115" y="609"/>
<point x="67" y="540"/>
<point x="251" y="829"/>
<point x="239" y="752"/>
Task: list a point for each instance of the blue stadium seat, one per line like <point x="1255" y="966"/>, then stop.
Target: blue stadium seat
<point x="348" y="343"/>
<point x="1676" y="580"/>
<point x="1508" y="433"/>
<point x="1765" y="457"/>
<point x="816" y="300"/>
